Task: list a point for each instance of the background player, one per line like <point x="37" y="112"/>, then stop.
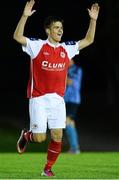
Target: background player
<point x="72" y="99"/>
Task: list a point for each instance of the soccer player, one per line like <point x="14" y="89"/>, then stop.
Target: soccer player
<point x="72" y="99"/>
<point x="49" y="61"/>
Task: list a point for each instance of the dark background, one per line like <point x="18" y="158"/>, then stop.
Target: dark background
<point x="97" y="122"/>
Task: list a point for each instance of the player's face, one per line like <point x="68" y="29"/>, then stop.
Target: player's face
<point x="56" y="32"/>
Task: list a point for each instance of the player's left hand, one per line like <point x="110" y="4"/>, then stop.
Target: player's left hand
<point x="94" y="11"/>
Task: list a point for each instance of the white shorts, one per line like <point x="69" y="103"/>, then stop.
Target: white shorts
<point x="46" y="110"/>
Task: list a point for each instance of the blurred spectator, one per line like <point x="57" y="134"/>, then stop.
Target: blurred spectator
<point x="73" y="99"/>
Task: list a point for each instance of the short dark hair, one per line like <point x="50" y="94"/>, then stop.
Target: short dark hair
<point x="52" y="19"/>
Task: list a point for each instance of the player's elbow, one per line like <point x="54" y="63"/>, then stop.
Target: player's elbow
<point x="20" y="39"/>
<point x="16" y="37"/>
<point x="89" y="40"/>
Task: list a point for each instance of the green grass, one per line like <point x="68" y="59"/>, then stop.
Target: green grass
<point x="81" y="166"/>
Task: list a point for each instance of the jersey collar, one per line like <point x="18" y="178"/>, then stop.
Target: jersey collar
<point x="47" y="41"/>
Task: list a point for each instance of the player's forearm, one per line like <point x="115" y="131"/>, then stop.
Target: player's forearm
<point x="90" y="35"/>
<point x="19" y="31"/>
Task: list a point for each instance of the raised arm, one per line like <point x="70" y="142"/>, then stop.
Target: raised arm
<point x="89" y="38"/>
<point x="19" y="31"/>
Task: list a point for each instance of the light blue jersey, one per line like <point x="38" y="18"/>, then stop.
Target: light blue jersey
<point x="73" y="93"/>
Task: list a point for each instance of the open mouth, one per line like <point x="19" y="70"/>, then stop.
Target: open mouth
<point x="60" y="35"/>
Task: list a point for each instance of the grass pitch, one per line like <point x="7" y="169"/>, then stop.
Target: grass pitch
<point x="81" y="166"/>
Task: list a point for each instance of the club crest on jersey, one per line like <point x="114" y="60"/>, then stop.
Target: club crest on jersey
<point x="62" y="54"/>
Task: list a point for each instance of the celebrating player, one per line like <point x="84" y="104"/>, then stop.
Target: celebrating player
<point x="48" y="70"/>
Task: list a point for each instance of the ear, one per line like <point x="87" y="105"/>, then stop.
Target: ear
<point x="47" y="31"/>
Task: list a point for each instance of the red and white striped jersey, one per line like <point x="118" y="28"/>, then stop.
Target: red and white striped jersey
<point x="49" y="65"/>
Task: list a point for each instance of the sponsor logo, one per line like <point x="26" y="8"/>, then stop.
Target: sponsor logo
<point x="53" y="66"/>
<point x="46" y="53"/>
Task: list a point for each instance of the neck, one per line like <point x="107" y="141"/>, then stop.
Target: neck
<point x="52" y="41"/>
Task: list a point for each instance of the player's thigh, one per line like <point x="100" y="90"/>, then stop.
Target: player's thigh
<point x="57" y="114"/>
<point x="38" y="116"/>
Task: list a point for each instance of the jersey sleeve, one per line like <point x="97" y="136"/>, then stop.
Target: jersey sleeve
<point x="32" y="47"/>
<point x="71" y="48"/>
